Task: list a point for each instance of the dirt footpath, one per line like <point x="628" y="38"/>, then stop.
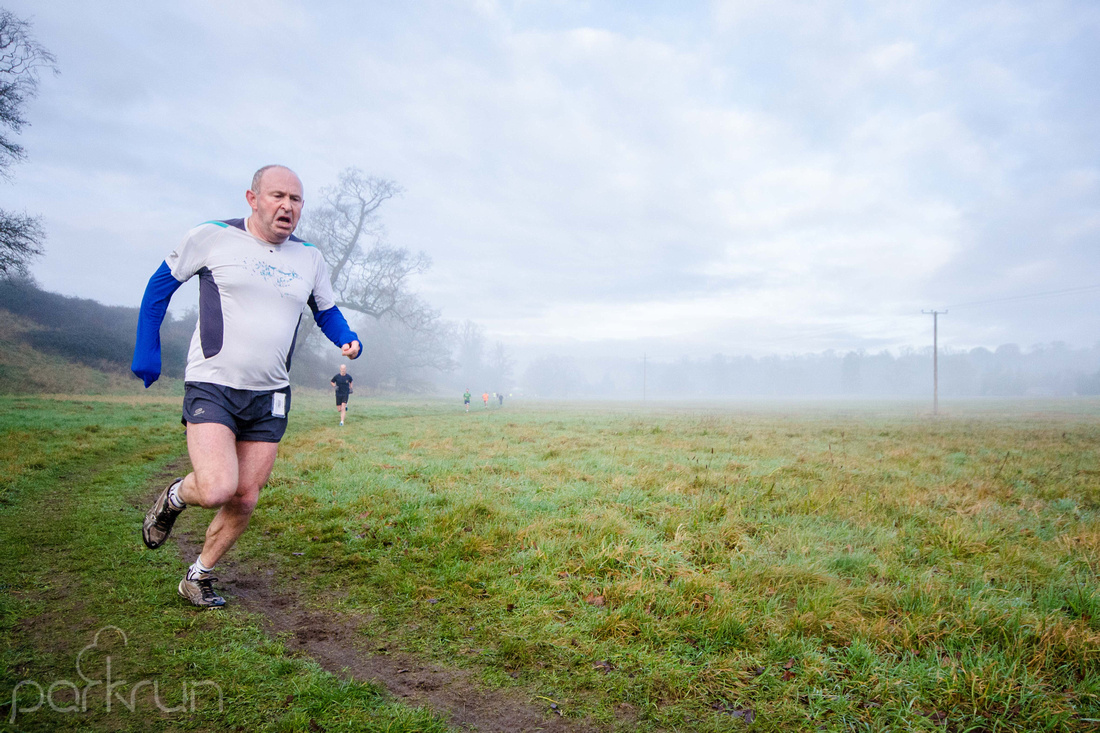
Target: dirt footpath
<point x="337" y="644"/>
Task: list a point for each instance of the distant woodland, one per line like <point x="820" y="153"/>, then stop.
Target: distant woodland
<point x="1050" y="370"/>
<point x="102" y="337"/>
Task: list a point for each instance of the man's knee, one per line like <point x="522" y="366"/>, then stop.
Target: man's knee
<point x="244" y="502"/>
<point x="214" y="489"/>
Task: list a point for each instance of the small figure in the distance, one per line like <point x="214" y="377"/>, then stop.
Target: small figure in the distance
<point x="466" y="399"/>
<point x="343" y="384"/>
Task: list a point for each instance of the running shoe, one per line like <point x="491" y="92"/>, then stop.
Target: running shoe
<point x="159" y="519"/>
<point x="199" y="589"/>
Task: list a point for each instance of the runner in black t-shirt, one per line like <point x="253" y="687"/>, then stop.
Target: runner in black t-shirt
<point x="342" y="383"/>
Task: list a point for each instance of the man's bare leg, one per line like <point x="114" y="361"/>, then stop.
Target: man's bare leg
<point x="254" y="462"/>
<point x="227" y="476"/>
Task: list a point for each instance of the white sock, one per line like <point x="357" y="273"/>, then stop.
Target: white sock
<point x="174" y="496"/>
<point x="198" y="568"/>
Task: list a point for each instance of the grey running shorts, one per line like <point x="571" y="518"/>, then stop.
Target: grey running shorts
<point x="250" y="414"/>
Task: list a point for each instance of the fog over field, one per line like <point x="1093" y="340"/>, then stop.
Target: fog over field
<point x="720" y="197"/>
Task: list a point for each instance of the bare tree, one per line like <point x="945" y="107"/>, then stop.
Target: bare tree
<point x="20" y="241"/>
<point x="368" y="275"/>
<point x="372" y="277"/>
<point x="21" y="59"/>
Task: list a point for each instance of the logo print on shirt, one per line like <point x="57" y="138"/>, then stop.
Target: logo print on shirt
<point x="282" y="279"/>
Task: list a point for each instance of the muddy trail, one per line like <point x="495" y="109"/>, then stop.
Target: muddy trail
<point x="338" y="644"/>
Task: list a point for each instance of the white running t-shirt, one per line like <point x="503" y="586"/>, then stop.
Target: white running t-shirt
<point x="251" y="298"/>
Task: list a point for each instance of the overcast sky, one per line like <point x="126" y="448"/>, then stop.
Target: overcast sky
<point x="750" y="176"/>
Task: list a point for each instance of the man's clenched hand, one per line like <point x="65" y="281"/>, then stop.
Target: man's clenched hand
<point x="351" y="350"/>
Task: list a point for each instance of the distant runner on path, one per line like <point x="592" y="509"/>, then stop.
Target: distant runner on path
<point x="466" y="399"/>
<point x="485" y="398"/>
<point x="342" y="383"/>
<point x="255" y="278"/>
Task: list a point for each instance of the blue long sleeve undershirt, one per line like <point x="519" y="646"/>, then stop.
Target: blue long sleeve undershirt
<point x="334" y="325"/>
<point x="154" y="305"/>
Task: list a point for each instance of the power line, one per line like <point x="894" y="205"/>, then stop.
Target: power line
<point x="848" y="327"/>
<point x="1067" y="291"/>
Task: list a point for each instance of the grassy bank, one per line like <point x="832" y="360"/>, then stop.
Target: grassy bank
<point x="764" y="568"/>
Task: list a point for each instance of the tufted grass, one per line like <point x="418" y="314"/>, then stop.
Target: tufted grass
<point x="755" y="567"/>
<point x="820" y="567"/>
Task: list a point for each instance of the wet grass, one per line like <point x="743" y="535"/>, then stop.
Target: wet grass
<point x="751" y="567"/>
<point x="804" y="569"/>
<point x="84" y="605"/>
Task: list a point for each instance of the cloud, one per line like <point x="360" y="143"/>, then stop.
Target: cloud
<point x="581" y="171"/>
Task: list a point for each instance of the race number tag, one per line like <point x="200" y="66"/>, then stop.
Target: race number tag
<point x="278" y="404"/>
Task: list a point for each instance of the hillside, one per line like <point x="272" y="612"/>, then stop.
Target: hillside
<point x="63" y="344"/>
<point x="25" y="369"/>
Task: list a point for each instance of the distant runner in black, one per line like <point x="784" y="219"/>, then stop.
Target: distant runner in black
<point x="342" y="383"/>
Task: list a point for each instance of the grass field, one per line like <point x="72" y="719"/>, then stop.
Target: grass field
<point x="764" y="568"/>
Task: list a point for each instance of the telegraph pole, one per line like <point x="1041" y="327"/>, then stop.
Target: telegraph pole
<point x="935" y="360"/>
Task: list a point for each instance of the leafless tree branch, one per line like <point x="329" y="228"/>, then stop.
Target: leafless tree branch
<point x="21" y="59"/>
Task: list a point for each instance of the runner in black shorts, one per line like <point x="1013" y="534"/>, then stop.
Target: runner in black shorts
<point x="255" y="279"/>
<point x="342" y="383"/>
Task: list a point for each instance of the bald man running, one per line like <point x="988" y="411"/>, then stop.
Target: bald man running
<point x="255" y="280"/>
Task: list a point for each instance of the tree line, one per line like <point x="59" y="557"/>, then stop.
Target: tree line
<point x="1055" y="370"/>
<point x="452" y="357"/>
